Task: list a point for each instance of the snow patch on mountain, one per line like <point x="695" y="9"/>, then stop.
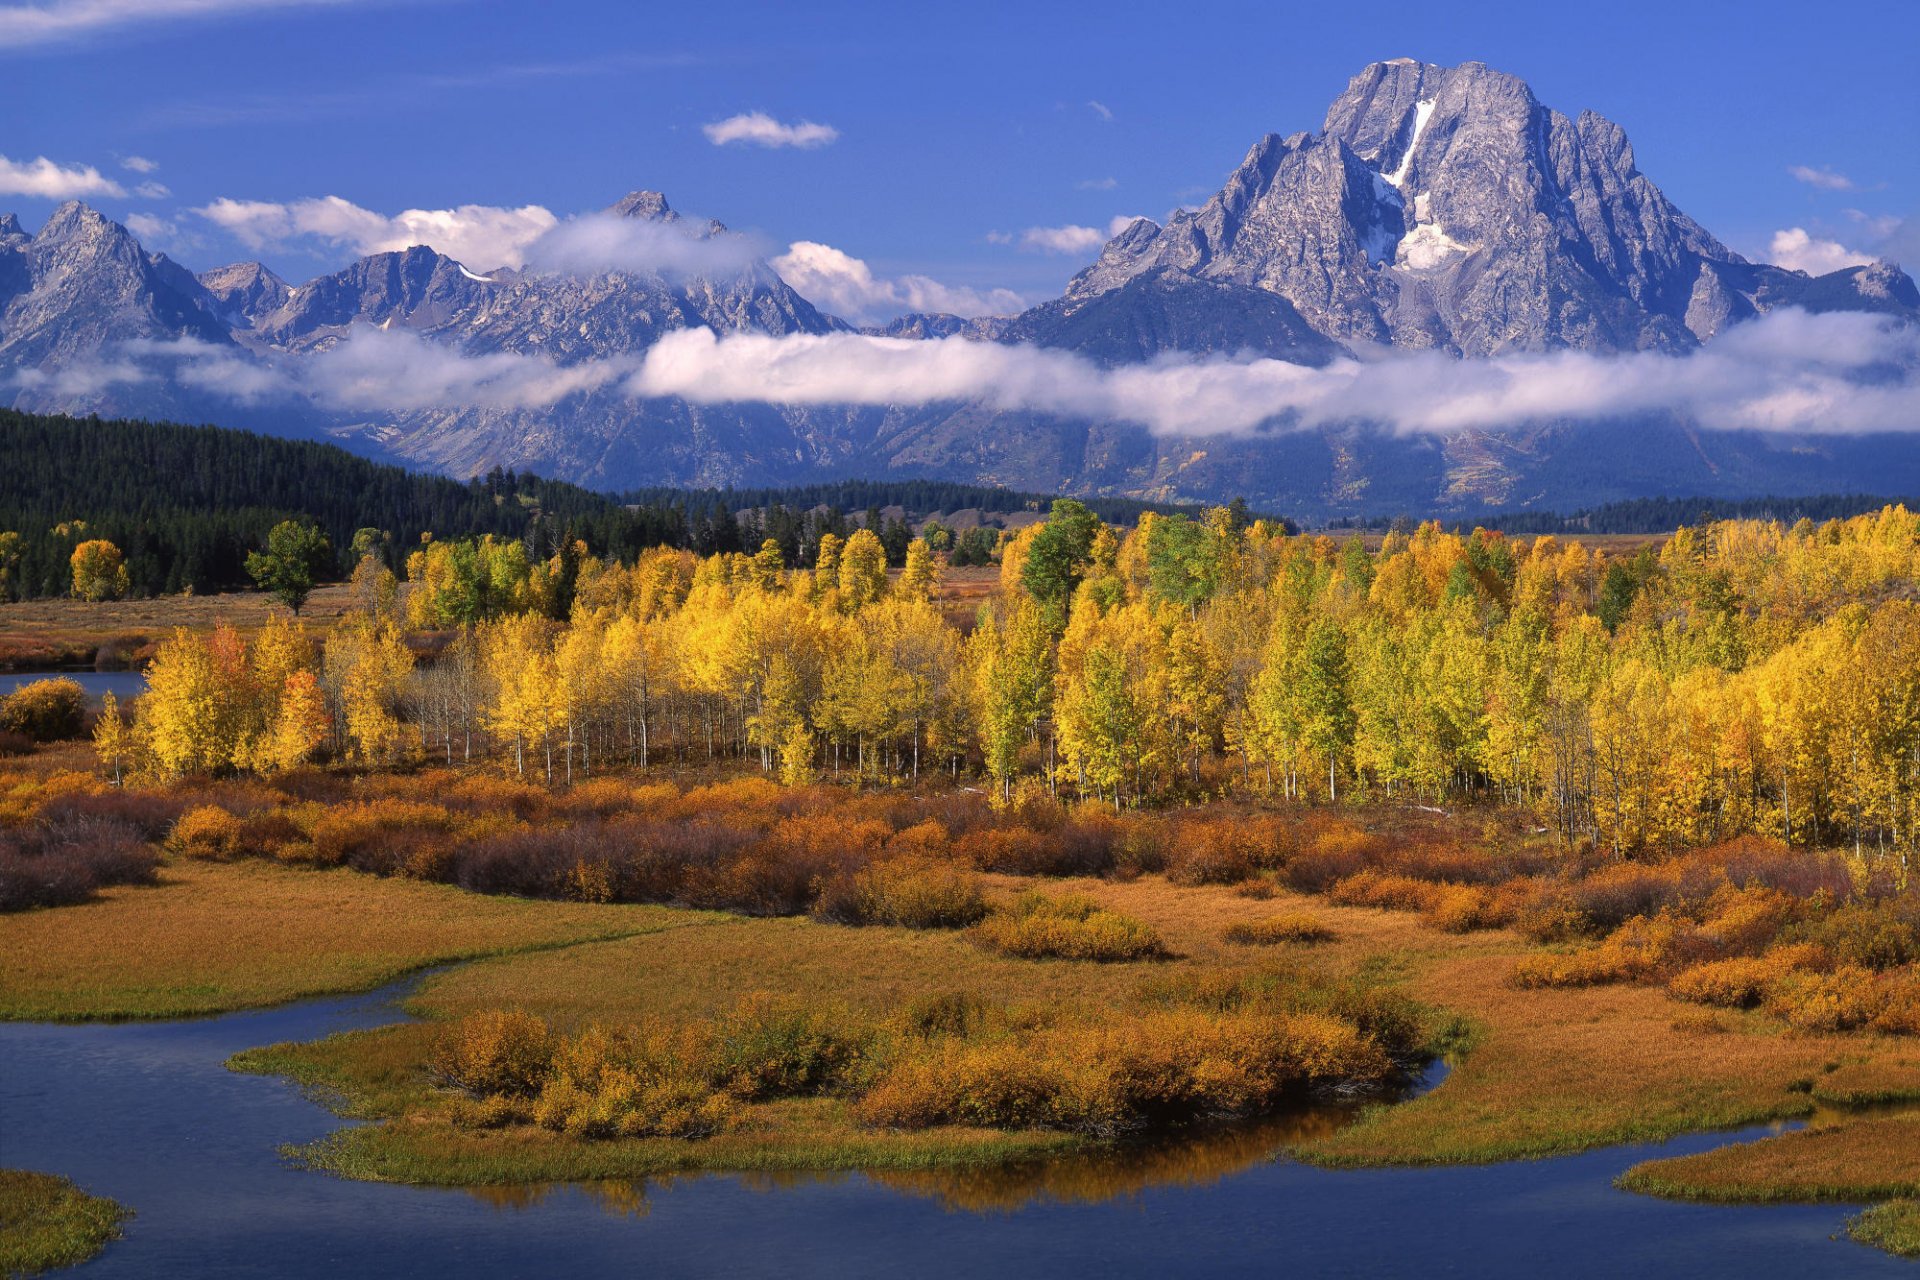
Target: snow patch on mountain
<point x="1422" y="112"/>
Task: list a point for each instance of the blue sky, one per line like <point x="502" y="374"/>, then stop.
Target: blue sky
<point x="955" y="129"/>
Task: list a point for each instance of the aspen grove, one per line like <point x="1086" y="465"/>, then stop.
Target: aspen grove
<point x="1743" y="678"/>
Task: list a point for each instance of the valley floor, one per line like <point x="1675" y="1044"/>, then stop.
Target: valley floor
<point x="1534" y="1072"/>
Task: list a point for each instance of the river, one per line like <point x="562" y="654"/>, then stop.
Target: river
<point x="147" y="1113"/>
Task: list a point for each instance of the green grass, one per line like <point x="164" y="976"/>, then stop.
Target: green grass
<point x="1894" y="1227"/>
<point x="47" y="1222"/>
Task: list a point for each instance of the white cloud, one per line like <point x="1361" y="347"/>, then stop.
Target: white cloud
<point x="1100" y="109"/>
<point x="43" y="178"/>
<point x="1788" y="372"/>
<point x="481" y="236"/>
<point x="156" y="232"/>
<point x="1098" y="184"/>
<point x="847" y="286"/>
<point x="593" y="243"/>
<point x="23" y="25"/>
<point x="1822" y="177"/>
<point x="1067" y="239"/>
<point x="487" y="237"/>
<point x="152" y="191"/>
<point x="761" y="129"/>
<point x="1797" y="250"/>
<point x="139" y="164"/>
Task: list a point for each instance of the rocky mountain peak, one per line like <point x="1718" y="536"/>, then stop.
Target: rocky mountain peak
<point x="1447" y="207"/>
<point x="246" y="292"/>
<point x="650" y="206"/>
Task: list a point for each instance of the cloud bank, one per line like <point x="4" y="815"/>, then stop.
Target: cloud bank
<point x="1788" y="372"/>
<point x="847" y="286"/>
<point x="482" y="236"/>
<point x="762" y="130"/>
<point x="49" y="181"/>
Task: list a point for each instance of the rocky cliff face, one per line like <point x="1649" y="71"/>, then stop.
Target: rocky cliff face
<point x="82" y="284"/>
<point x="245" y="292"/>
<point x="1446" y="207"/>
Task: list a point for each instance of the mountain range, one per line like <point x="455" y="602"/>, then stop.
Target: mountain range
<point x="1438" y="209"/>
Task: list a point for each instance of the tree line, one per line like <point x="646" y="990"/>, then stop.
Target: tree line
<point x="184" y="506"/>
<point x="1747" y="677"/>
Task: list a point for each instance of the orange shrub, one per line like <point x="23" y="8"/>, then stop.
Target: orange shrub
<point x="1388" y="890"/>
<point x="497" y="1051"/>
<point x="1845" y="999"/>
<point x="481" y="793"/>
<point x="1900" y="1015"/>
<point x="1295" y="927"/>
<point x="1740" y="982"/>
<point x="916" y="892"/>
<point x="1745" y="921"/>
<point x="1460" y="908"/>
<point x="1633" y="952"/>
<point x="45" y="710"/>
<point x="388" y="837"/>
<point x="1330" y="850"/>
<point x="1107" y="1079"/>
<point x="206" y="832"/>
<point x="1069" y="928"/>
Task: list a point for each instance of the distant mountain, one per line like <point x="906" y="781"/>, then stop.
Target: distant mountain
<point x="1445" y="207"/>
<point x="1438" y="208"/>
<point x="245" y="292"/>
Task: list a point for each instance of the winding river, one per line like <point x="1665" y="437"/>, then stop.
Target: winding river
<point x="146" y="1113"/>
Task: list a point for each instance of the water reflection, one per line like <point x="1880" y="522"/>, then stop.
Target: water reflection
<point x="1193" y="1158"/>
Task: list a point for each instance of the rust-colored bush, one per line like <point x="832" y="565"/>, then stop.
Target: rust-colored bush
<point x="50" y="864"/>
<point x="1290" y="927"/>
<point x="917" y="892"/>
<point x="496" y="1051"/>
<point x="386" y="837"/>
<point x="206" y="832"/>
<point x="1842" y="1000"/>
<point x="1741" y="982"/>
<point x="1036" y="927"/>
<point x="151" y="812"/>
<point x="1330" y="851"/>
<point x="1385" y="889"/>
<point x="1099" y="1078"/>
<point x="45" y="710"/>
<point x="1020" y="851"/>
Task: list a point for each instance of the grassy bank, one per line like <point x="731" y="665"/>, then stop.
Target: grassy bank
<point x="214" y="937"/>
<point x="47" y="1222"/>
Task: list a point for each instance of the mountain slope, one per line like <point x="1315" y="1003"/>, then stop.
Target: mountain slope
<point x="1439" y="208"/>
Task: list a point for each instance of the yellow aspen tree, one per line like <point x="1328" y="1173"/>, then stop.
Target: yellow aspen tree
<point x="863" y="570"/>
<point x="179" y="717"/>
<point x="98" y="571"/>
<point x="113" y="742"/>
<point x="921" y="577"/>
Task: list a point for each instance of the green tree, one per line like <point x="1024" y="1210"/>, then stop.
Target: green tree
<point x="1059" y="557"/>
<point x="1326" y="697"/>
<point x="297" y="553"/>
